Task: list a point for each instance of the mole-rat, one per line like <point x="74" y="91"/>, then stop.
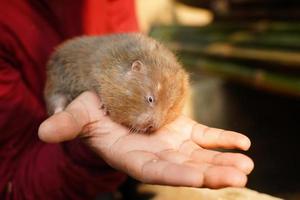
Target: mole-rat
<point x="139" y="81"/>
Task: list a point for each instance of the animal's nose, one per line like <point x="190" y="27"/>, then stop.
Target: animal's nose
<point x="150" y="128"/>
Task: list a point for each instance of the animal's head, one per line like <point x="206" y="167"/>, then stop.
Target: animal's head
<point x="150" y="90"/>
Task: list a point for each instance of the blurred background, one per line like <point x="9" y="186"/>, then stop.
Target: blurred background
<point x="244" y="60"/>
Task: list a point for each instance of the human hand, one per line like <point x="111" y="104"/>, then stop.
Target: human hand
<point x="177" y="154"/>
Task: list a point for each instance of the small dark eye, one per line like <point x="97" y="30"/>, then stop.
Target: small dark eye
<point x="150" y="99"/>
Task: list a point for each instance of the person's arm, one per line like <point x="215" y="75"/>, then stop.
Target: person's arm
<point x="33" y="169"/>
<point x="180" y="153"/>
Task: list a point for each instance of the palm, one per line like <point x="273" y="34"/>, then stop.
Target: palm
<point x="177" y="154"/>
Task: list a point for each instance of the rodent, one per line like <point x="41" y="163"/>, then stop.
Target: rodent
<point x="140" y="82"/>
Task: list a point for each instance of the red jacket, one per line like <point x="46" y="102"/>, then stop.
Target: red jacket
<point x="29" y="30"/>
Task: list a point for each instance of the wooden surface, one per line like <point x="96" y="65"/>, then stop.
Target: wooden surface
<point x="184" y="193"/>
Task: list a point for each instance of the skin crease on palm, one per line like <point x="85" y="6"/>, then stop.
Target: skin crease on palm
<point x="178" y="154"/>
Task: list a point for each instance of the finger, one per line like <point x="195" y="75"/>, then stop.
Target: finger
<point x="236" y="160"/>
<point x="221" y="176"/>
<point x="203" y="156"/>
<point x="148" y="168"/>
<point x="196" y="175"/>
<point x="67" y="125"/>
<point x="200" y="155"/>
<point x="215" y="176"/>
<point x="59" y="127"/>
<point x="151" y="169"/>
<point x="217" y="138"/>
<point x="168" y="173"/>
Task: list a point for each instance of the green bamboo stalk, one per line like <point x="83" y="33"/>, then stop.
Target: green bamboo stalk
<point x="291" y="59"/>
<point x="258" y="78"/>
<point x="227" y="27"/>
<point x="238" y="37"/>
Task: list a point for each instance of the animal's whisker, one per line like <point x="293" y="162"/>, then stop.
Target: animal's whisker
<point x="131" y="130"/>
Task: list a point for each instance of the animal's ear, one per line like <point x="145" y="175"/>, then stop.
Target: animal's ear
<point x="137" y="66"/>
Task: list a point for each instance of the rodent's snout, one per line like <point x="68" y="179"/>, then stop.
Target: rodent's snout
<point x="146" y="123"/>
<point x="150" y="129"/>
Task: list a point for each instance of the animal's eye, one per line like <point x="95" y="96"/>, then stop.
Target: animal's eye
<point x="150" y="99"/>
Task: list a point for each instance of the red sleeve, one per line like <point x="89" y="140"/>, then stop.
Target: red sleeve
<point x="29" y="30"/>
<point x="31" y="169"/>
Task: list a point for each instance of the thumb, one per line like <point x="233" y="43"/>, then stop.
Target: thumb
<point x="68" y="124"/>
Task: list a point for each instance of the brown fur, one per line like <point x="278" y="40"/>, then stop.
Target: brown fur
<point x="105" y="65"/>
